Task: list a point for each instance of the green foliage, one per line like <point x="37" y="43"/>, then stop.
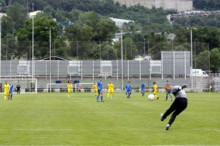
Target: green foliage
<point x="206" y="4"/>
<point x="42" y="26"/>
<point x="18" y="15"/>
<point x="215" y="59"/>
<point x="201" y="58"/>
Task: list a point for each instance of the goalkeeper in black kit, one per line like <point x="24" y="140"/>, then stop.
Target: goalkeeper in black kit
<point x="179" y="105"/>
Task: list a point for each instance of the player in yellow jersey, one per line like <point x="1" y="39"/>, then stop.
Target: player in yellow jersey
<point x="95" y="87"/>
<point x="69" y="88"/>
<point x="6" y="90"/>
<point x="155" y="90"/>
<point x="110" y="89"/>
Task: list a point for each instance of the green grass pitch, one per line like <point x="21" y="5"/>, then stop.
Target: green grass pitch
<point x="55" y="119"/>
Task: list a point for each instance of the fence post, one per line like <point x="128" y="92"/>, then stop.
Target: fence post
<point x="140" y="70"/>
<point x="10" y="69"/>
<point x="161" y="65"/>
<point x="128" y="69"/>
<point x="185" y="63"/>
<point x="46" y="68"/>
<point x="93" y="70"/>
<point x="174" y="65"/>
<point x="58" y="66"/>
<point x="117" y="69"/>
<point x="81" y="69"/>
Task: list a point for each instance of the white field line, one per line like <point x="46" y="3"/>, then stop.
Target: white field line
<point x="126" y="145"/>
<point x="82" y="129"/>
<point x="216" y="130"/>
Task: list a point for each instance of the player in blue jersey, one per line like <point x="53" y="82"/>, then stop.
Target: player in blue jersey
<point x="143" y="88"/>
<point x="11" y="91"/>
<point x="99" y="84"/>
<point x="128" y="90"/>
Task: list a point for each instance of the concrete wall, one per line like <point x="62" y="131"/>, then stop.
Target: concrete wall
<point x="179" y="5"/>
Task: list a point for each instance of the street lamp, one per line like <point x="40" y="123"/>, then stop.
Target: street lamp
<point x="33" y="65"/>
<point x="50" y="56"/>
<point x="144" y="48"/>
<point x="0" y="45"/>
<point x="191" y="55"/>
<point x="122" y="65"/>
<point x="50" y="47"/>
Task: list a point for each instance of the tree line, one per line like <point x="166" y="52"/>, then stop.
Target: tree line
<point x="83" y="30"/>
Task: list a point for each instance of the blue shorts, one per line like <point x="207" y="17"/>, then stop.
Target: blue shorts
<point x="128" y="92"/>
<point x="100" y="91"/>
<point x="169" y="92"/>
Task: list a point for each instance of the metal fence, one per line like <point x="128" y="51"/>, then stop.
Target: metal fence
<point x="168" y="60"/>
<point x="47" y="71"/>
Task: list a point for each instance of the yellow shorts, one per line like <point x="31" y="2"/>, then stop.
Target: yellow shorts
<point x="6" y="93"/>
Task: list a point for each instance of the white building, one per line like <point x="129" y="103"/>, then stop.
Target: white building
<point x="179" y="5"/>
<point x="2" y="14"/>
<point x="34" y="13"/>
<point x="120" y="22"/>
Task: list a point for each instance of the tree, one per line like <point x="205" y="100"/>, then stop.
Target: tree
<point x="7" y="26"/>
<point x="201" y="58"/>
<point x="215" y="59"/>
<point x="105" y="30"/>
<point x="18" y="15"/>
<point x="78" y="32"/>
<point x="42" y="26"/>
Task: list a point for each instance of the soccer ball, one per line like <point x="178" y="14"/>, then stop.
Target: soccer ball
<point x="151" y="97"/>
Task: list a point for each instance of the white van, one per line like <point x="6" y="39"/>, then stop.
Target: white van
<point x="199" y="73"/>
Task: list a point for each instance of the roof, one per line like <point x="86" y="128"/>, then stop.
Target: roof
<point x="34" y="13"/>
<point x="55" y="58"/>
<point x="120" y="22"/>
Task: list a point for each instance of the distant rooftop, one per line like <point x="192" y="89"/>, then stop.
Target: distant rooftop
<point x="2" y="14"/>
<point x="34" y="13"/>
<point x="120" y="22"/>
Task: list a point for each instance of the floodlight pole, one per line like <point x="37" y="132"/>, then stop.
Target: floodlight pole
<point x="0" y="47"/>
<point x="191" y="51"/>
<point x="122" y="65"/>
<point x="33" y="65"/>
<point x="50" y="55"/>
<point x="144" y="48"/>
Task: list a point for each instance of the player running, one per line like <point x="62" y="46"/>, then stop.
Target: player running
<point x="95" y="87"/>
<point x="179" y="105"/>
<point x="11" y="91"/>
<point x="143" y="89"/>
<point x="69" y="88"/>
<point x="99" y="84"/>
<point x="6" y="90"/>
<point x="155" y="90"/>
<point x="110" y="89"/>
<point x="128" y="90"/>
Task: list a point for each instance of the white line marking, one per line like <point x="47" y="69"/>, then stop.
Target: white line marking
<point x="87" y="129"/>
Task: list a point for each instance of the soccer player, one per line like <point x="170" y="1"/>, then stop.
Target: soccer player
<point x="99" y="84"/>
<point x="168" y="90"/>
<point x="155" y="90"/>
<point x="95" y="87"/>
<point x="128" y="89"/>
<point x="110" y="89"/>
<point x="18" y="89"/>
<point x="179" y="105"/>
<point x="6" y="90"/>
<point x="69" y="88"/>
<point x="143" y="88"/>
<point x="11" y="91"/>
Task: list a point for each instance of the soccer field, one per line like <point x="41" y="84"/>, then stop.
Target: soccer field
<point x="55" y="119"/>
